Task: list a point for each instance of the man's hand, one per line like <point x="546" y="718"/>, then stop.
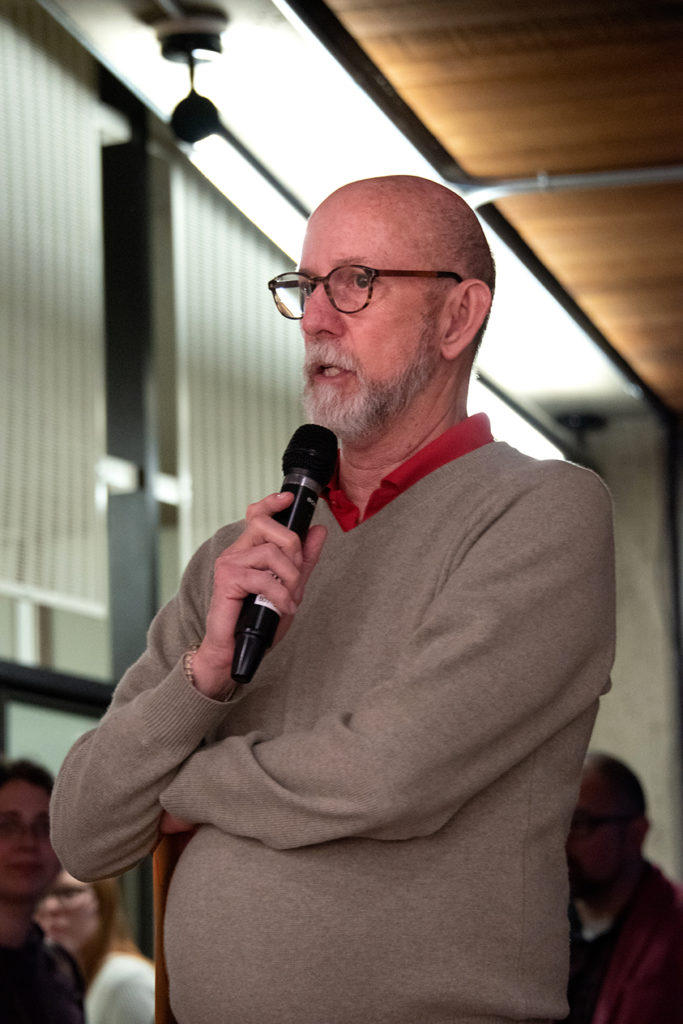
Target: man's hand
<point x="266" y="559"/>
<point x="169" y="826"/>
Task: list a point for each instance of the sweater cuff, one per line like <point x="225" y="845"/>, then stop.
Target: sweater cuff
<point x="178" y="716"/>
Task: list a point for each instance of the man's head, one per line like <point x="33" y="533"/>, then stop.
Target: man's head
<point x="27" y="861"/>
<point x="604" y="847"/>
<point x="409" y="352"/>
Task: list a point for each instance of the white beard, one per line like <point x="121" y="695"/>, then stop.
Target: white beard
<point x="361" y="418"/>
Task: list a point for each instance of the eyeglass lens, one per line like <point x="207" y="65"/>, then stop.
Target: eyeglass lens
<point x="585" y="824"/>
<point x="348" y="289"/>
<point x="67" y="893"/>
<point x="14" y="828"/>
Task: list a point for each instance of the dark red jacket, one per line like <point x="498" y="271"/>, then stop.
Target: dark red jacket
<point x="644" y="980"/>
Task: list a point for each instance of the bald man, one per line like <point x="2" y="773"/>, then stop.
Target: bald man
<point x="378" y="820"/>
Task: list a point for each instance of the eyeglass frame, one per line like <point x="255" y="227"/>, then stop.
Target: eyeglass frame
<point x="589" y="823"/>
<point x="324" y="279"/>
<point x="66" y="894"/>
<point x="13" y="829"/>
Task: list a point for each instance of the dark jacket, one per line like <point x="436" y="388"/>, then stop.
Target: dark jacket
<point x="644" y="980"/>
<point x="39" y="984"/>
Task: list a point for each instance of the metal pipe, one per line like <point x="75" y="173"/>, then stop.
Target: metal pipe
<point x="479" y="191"/>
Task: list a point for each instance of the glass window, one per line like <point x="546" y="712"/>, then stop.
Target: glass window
<point x="42" y="734"/>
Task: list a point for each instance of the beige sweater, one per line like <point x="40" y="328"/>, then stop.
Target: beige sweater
<point x="383" y="810"/>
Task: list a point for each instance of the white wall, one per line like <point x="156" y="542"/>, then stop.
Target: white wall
<point x="639" y="720"/>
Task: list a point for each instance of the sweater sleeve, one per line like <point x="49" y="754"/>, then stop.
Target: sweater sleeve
<point x="105" y="807"/>
<point x="516" y="644"/>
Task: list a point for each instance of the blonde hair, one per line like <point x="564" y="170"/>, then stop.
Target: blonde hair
<point x="113" y="933"/>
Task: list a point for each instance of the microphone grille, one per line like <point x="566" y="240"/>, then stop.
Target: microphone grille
<point x="314" y="449"/>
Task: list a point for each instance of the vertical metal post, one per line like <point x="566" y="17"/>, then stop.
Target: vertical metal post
<point x="133" y="517"/>
<point x="130" y="420"/>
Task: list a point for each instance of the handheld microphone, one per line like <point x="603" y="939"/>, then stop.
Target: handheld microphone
<point x="308" y="464"/>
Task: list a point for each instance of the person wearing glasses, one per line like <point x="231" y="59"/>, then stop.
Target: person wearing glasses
<point x="89" y="920"/>
<point x="627" y="936"/>
<point x="39" y="982"/>
<point x="373" y="829"/>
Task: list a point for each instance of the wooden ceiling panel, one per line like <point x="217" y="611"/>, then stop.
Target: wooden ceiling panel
<point x="640" y="227"/>
<point x="519" y="111"/>
<point x="619" y="253"/>
<point x="371" y="17"/>
<point x="547" y="87"/>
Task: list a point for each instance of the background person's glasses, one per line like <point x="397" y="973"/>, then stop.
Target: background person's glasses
<point x="349" y="288"/>
<point x="14" y="828"/>
<point x="66" y="894"/>
<point x="585" y="824"/>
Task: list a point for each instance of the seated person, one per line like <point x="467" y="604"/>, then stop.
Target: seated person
<point x="38" y="982"/>
<point x="627" y="941"/>
<point x="89" y="921"/>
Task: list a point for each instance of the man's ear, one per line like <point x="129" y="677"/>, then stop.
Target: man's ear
<point x="464" y="312"/>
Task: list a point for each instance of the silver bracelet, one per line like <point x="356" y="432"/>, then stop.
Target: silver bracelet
<point x="188" y="658"/>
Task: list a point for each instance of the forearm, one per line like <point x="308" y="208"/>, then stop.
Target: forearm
<point x="399" y="767"/>
<point x="512" y="648"/>
<point x="105" y="806"/>
<point x="105" y="809"/>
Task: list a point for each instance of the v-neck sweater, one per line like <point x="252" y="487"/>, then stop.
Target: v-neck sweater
<point x="383" y="810"/>
<point x="463" y="437"/>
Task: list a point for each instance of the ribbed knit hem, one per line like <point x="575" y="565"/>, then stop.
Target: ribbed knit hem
<point x="178" y="716"/>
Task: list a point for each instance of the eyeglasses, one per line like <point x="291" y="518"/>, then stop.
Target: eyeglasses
<point x="349" y="288"/>
<point x="585" y="824"/>
<point x="13" y="828"/>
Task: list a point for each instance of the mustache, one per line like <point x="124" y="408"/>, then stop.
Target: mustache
<point x="322" y="353"/>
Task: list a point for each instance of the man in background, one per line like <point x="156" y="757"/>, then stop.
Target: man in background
<point x="379" y="817"/>
<point x="627" y="941"/>
<point x="39" y="983"/>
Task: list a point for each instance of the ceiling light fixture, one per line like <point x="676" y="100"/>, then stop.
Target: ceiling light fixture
<point x="193" y="40"/>
<point x="196" y="122"/>
<point x="196" y="118"/>
<point x="196" y="38"/>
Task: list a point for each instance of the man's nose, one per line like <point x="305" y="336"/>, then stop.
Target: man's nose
<point x="319" y="313"/>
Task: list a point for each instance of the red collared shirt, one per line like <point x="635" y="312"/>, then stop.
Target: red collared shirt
<point x="464" y="437"/>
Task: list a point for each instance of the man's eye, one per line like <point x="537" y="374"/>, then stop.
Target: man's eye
<point x="361" y="279"/>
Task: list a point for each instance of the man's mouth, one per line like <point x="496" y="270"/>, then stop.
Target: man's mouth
<point x="326" y="362"/>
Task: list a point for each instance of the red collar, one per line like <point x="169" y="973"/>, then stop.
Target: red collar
<point x="464" y="437"/>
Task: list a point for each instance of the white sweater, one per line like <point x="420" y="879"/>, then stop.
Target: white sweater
<point x="122" y="991"/>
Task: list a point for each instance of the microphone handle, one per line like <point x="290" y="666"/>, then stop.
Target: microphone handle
<point x="258" y="620"/>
